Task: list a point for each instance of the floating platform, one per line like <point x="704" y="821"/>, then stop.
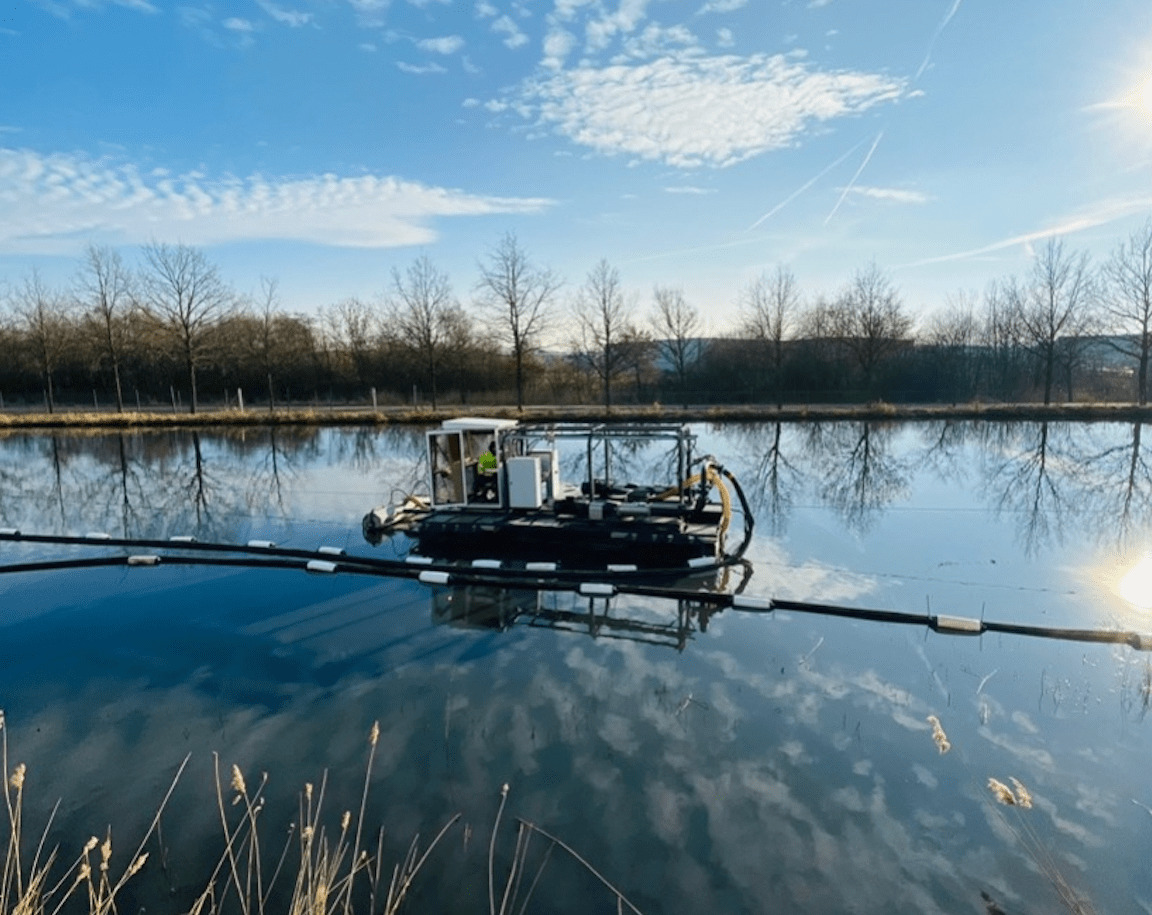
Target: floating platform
<point x="494" y="492"/>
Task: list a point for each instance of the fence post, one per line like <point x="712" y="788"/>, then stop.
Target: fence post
<point x="95" y="402"/>
<point x="374" y="406"/>
<point x="172" y="391"/>
<point x="240" y="398"/>
<point x="271" y="401"/>
<point x="137" y="390"/>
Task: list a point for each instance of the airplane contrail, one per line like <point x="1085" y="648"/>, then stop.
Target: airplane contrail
<point x="800" y="190"/>
<point x="848" y="187"/>
<point x="932" y="44"/>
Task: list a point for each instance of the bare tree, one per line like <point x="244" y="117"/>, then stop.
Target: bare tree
<point x="185" y="298"/>
<point x="602" y="313"/>
<point x="1054" y="307"/>
<point x="871" y="321"/>
<point x="350" y="327"/>
<point x="275" y="342"/>
<point x="952" y="335"/>
<point x="104" y="285"/>
<point x="1001" y="335"/>
<point x="637" y="352"/>
<point x="769" y="305"/>
<point x="1127" y="300"/>
<point x="521" y="293"/>
<point x="677" y="327"/>
<point x="422" y="312"/>
<point x="43" y="314"/>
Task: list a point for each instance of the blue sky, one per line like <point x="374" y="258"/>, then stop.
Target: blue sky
<point x="324" y="142"/>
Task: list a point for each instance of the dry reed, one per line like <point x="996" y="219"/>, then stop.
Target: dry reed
<point x="334" y="874"/>
<point x="943" y="744"/>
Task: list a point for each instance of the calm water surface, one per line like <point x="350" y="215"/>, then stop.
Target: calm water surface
<point x="774" y="763"/>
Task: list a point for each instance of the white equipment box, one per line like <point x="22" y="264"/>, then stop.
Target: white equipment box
<point x="524" y="489"/>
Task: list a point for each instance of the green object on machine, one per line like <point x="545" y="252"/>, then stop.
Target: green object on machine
<point x="487" y="462"/>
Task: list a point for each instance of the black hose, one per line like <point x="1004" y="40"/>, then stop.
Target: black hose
<point x="510" y="578"/>
<point x="400" y="567"/>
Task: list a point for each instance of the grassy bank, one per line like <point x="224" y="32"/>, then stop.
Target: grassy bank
<point x="232" y="418"/>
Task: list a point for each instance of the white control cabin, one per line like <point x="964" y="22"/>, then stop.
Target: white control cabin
<point x="523" y="479"/>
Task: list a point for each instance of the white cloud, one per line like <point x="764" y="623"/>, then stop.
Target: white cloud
<point x="367" y="46"/>
<point x="656" y="40"/>
<point x="238" y="25"/>
<point x="54" y="204"/>
<point x="689" y="189"/>
<point x="193" y="17"/>
<point x="566" y="9"/>
<point x="599" y="32"/>
<point x="514" y="38"/>
<point x="558" y="44"/>
<point x="816" y="4"/>
<point x="291" y="18"/>
<point x="896" y="195"/>
<point x="721" y="6"/>
<point x="370" y="13"/>
<point x="64" y="8"/>
<point x="486" y="10"/>
<point x="419" y="69"/>
<point x="724" y="38"/>
<point x="689" y="110"/>
<point x="449" y="44"/>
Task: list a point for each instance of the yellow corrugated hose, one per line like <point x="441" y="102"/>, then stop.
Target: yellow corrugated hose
<point x="716" y="480"/>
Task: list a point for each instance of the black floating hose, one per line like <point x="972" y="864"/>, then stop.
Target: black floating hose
<point x="400" y="567"/>
<point x="271" y="557"/>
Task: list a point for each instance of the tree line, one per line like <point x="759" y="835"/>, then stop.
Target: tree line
<point x="170" y="329"/>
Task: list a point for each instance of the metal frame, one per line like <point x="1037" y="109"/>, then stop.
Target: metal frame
<point x="593" y="433"/>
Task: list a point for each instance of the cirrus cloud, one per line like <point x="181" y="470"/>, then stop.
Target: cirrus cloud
<point x="55" y="203"/>
<point x="893" y="194"/>
<point x="689" y="110"/>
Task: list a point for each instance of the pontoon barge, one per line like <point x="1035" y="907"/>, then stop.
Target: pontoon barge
<point x="495" y="493"/>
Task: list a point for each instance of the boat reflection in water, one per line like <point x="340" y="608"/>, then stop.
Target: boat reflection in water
<point x="500" y="609"/>
<point x="648" y="620"/>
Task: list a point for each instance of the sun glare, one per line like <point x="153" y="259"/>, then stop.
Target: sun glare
<point x="1136" y="586"/>
<point x="1144" y="99"/>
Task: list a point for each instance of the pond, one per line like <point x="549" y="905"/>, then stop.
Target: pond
<point x="733" y="763"/>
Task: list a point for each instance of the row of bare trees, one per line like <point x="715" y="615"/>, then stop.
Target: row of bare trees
<point x="171" y="325"/>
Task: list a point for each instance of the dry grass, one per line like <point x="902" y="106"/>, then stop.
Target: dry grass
<point x="34" y="886"/>
<point x="332" y="872"/>
<point x="1019" y="797"/>
<point x="943" y="744"/>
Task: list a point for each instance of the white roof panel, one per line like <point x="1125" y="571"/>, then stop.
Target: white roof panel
<point x="475" y="424"/>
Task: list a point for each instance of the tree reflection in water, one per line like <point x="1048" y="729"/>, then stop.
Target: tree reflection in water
<point x="1045" y="476"/>
<point x="1026" y="474"/>
<point x="860" y="471"/>
<point x="1119" y="490"/>
<point x="770" y="479"/>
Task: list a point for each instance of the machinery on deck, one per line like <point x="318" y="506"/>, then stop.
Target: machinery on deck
<point x="495" y="493"/>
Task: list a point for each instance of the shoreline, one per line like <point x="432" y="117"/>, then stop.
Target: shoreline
<point x="352" y="416"/>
